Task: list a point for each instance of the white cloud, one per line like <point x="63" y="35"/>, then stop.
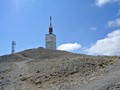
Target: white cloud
<point x="118" y="14"/>
<point x="107" y="46"/>
<point x="69" y="47"/>
<point x="114" y="23"/>
<point x="93" y="28"/>
<point x="100" y="3"/>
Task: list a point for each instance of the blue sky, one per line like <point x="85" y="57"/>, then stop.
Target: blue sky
<point x="81" y="26"/>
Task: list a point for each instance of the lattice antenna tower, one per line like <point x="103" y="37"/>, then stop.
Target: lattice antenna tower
<point x="13" y="47"/>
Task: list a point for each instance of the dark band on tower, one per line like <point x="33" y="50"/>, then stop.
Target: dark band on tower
<point x="50" y="27"/>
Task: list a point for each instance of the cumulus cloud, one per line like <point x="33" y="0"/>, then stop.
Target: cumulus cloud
<point x="100" y="3"/>
<point x="69" y="47"/>
<point x="107" y="46"/>
<point x="114" y="23"/>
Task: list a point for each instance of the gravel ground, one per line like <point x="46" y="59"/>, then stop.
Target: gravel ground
<point x="11" y="79"/>
<point x="110" y="81"/>
<point x="40" y="69"/>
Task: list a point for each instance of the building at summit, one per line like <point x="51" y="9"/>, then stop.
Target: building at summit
<point x="50" y="38"/>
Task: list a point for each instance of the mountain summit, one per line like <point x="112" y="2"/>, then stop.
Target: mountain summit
<point x="44" y="69"/>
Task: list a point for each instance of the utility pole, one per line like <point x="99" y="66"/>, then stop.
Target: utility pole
<point x="13" y="47"/>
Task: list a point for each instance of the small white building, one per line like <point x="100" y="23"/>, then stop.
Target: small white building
<point x="50" y="38"/>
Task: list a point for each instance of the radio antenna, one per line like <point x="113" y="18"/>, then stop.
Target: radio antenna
<point x="13" y="47"/>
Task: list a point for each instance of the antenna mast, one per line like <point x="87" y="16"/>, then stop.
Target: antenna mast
<point x="50" y="20"/>
<point x="13" y="47"/>
<point x="50" y="27"/>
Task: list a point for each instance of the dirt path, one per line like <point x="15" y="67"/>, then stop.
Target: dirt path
<point x="13" y="77"/>
<point x="21" y="69"/>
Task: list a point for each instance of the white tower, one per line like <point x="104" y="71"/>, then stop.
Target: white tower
<point x="50" y="38"/>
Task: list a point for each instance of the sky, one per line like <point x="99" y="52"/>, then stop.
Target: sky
<point x="81" y="26"/>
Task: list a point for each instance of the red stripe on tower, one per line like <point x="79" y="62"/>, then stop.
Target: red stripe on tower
<point x="50" y="27"/>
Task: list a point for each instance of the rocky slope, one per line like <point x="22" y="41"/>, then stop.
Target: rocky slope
<point x="41" y="69"/>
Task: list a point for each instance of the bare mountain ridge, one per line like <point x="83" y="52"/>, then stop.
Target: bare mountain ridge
<point x="34" y="54"/>
<point x="42" y="69"/>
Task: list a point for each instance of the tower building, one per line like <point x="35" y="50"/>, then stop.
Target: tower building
<point x="13" y="47"/>
<point x="50" y="38"/>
